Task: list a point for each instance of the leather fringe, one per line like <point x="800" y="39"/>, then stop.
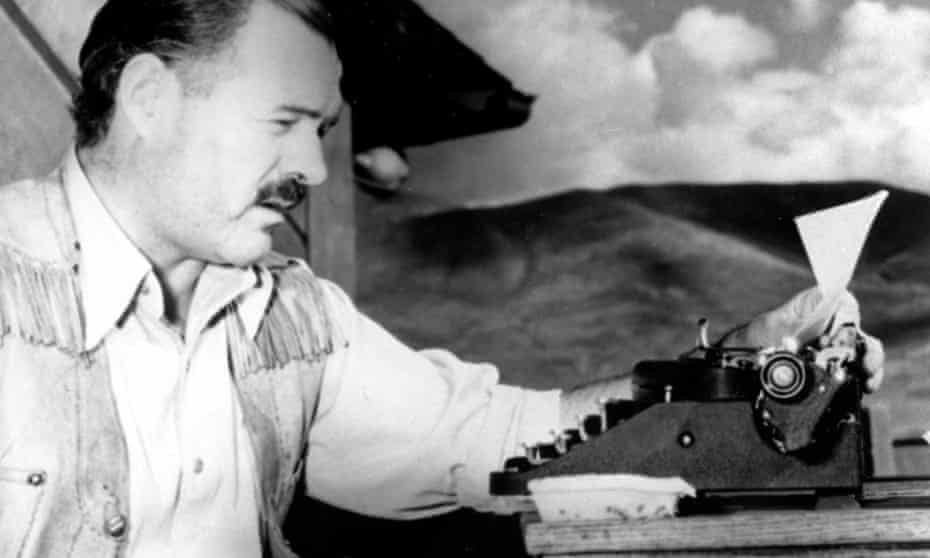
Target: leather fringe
<point x="297" y="325"/>
<point x="39" y="303"/>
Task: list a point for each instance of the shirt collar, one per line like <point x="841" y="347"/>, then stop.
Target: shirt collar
<point x="220" y="285"/>
<point x="112" y="269"/>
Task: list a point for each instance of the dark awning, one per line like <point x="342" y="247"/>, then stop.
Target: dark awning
<point x="410" y="81"/>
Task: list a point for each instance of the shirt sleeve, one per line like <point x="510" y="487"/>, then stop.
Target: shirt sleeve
<point x="403" y="434"/>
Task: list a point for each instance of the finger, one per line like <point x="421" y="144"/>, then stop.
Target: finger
<point x="828" y="316"/>
<point x="784" y="321"/>
<point x="813" y="314"/>
<point x="847" y="312"/>
<point x="873" y="361"/>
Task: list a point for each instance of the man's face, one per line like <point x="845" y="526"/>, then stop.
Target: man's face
<point x="264" y="118"/>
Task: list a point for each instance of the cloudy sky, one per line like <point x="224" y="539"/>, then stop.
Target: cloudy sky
<point x="653" y="91"/>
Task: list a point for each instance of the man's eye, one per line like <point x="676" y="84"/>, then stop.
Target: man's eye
<point x="284" y="124"/>
<point x="324" y="129"/>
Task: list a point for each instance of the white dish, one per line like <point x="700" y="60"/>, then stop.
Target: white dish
<point x="619" y="496"/>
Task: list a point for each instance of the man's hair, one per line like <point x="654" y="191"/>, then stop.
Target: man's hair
<point x="176" y="31"/>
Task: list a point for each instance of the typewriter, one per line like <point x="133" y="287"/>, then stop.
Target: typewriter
<point x="744" y="426"/>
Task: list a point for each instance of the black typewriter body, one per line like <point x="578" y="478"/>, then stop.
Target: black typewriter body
<point x="737" y="424"/>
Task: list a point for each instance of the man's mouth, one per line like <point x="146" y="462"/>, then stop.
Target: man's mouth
<point x="283" y="194"/>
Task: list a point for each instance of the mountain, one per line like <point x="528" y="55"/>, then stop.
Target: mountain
<point x="582" y="285"/>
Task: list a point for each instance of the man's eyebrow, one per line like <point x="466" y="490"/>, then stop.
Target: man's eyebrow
<point x="314" y="114"/>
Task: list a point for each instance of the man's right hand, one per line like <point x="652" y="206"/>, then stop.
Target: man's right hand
<point x="805" y="317"/>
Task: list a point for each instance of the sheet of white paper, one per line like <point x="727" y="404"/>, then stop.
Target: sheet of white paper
<point x="833" y="239"/>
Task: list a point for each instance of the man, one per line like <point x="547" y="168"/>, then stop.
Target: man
<point x="165" y="380"/>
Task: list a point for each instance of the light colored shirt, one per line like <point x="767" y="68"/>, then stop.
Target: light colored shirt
<point x="398" y="433"/>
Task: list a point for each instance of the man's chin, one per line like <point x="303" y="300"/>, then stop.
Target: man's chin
<point x="247" y="254"/>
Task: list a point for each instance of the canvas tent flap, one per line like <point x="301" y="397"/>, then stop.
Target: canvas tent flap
<point x="410" y="81"/>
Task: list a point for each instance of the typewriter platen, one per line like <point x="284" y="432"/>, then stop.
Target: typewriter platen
<point x="739" y="424"/>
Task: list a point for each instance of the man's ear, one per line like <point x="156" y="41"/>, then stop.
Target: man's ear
<point x="147" y="94"/>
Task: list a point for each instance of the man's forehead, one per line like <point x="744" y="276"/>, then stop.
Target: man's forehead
<point x="287" y="61"/>
<point x="276" y="28"/>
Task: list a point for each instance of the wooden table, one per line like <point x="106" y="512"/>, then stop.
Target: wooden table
<point x="835" y="532"/>
<point x="890" y="517"/>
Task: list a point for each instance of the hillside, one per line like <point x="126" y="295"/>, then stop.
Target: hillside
<point x="582" y="285"/>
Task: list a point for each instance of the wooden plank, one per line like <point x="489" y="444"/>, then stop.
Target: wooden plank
<point x="42" y="47"/>
<point x="744" y="530"/>
<point x="912" y="460"/>
<point x="896" y="491"/>
<point x="35" y="127"/>
<point x="829" y="552"/>
<point x="883" y="458"/>
<point x="331" y="212"/>
<point x="63" y="25"/>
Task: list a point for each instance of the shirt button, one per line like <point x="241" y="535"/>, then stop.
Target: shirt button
<point x="198" y="466"/>
<point x="116" y="526"/>
<point x="36" y="479"/>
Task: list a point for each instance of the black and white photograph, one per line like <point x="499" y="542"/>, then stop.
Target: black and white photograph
<point x="464" y="278"/>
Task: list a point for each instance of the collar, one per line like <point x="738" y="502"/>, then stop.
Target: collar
<point x="219" y="285"/>
<point x="114" y="274"/>
<point x="111" y="267"/>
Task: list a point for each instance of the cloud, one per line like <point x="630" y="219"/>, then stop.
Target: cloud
<point x="707" y="101"/>
<point x="862" y="114"/>
<point x="701" y="62"/>
<point x="722" y="42"/>
<point x="882" y="56"/>
<point x="876" y="79"/>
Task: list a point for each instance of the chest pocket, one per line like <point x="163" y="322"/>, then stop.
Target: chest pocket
<point x="21" y="493"/>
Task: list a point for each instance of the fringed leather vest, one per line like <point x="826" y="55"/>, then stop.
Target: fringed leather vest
<point x="63" y="461"/>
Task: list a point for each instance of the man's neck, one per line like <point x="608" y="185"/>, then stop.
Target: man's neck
<point x="114" y="185"/>
<point x="178" y="284"/>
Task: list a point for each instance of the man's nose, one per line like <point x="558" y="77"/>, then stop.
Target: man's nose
<point x="308" y="157"/>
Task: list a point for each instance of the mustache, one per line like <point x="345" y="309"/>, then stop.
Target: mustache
<point x="285" y="193"/>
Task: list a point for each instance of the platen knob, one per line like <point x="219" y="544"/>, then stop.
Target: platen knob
<point x="783" y="376"/>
